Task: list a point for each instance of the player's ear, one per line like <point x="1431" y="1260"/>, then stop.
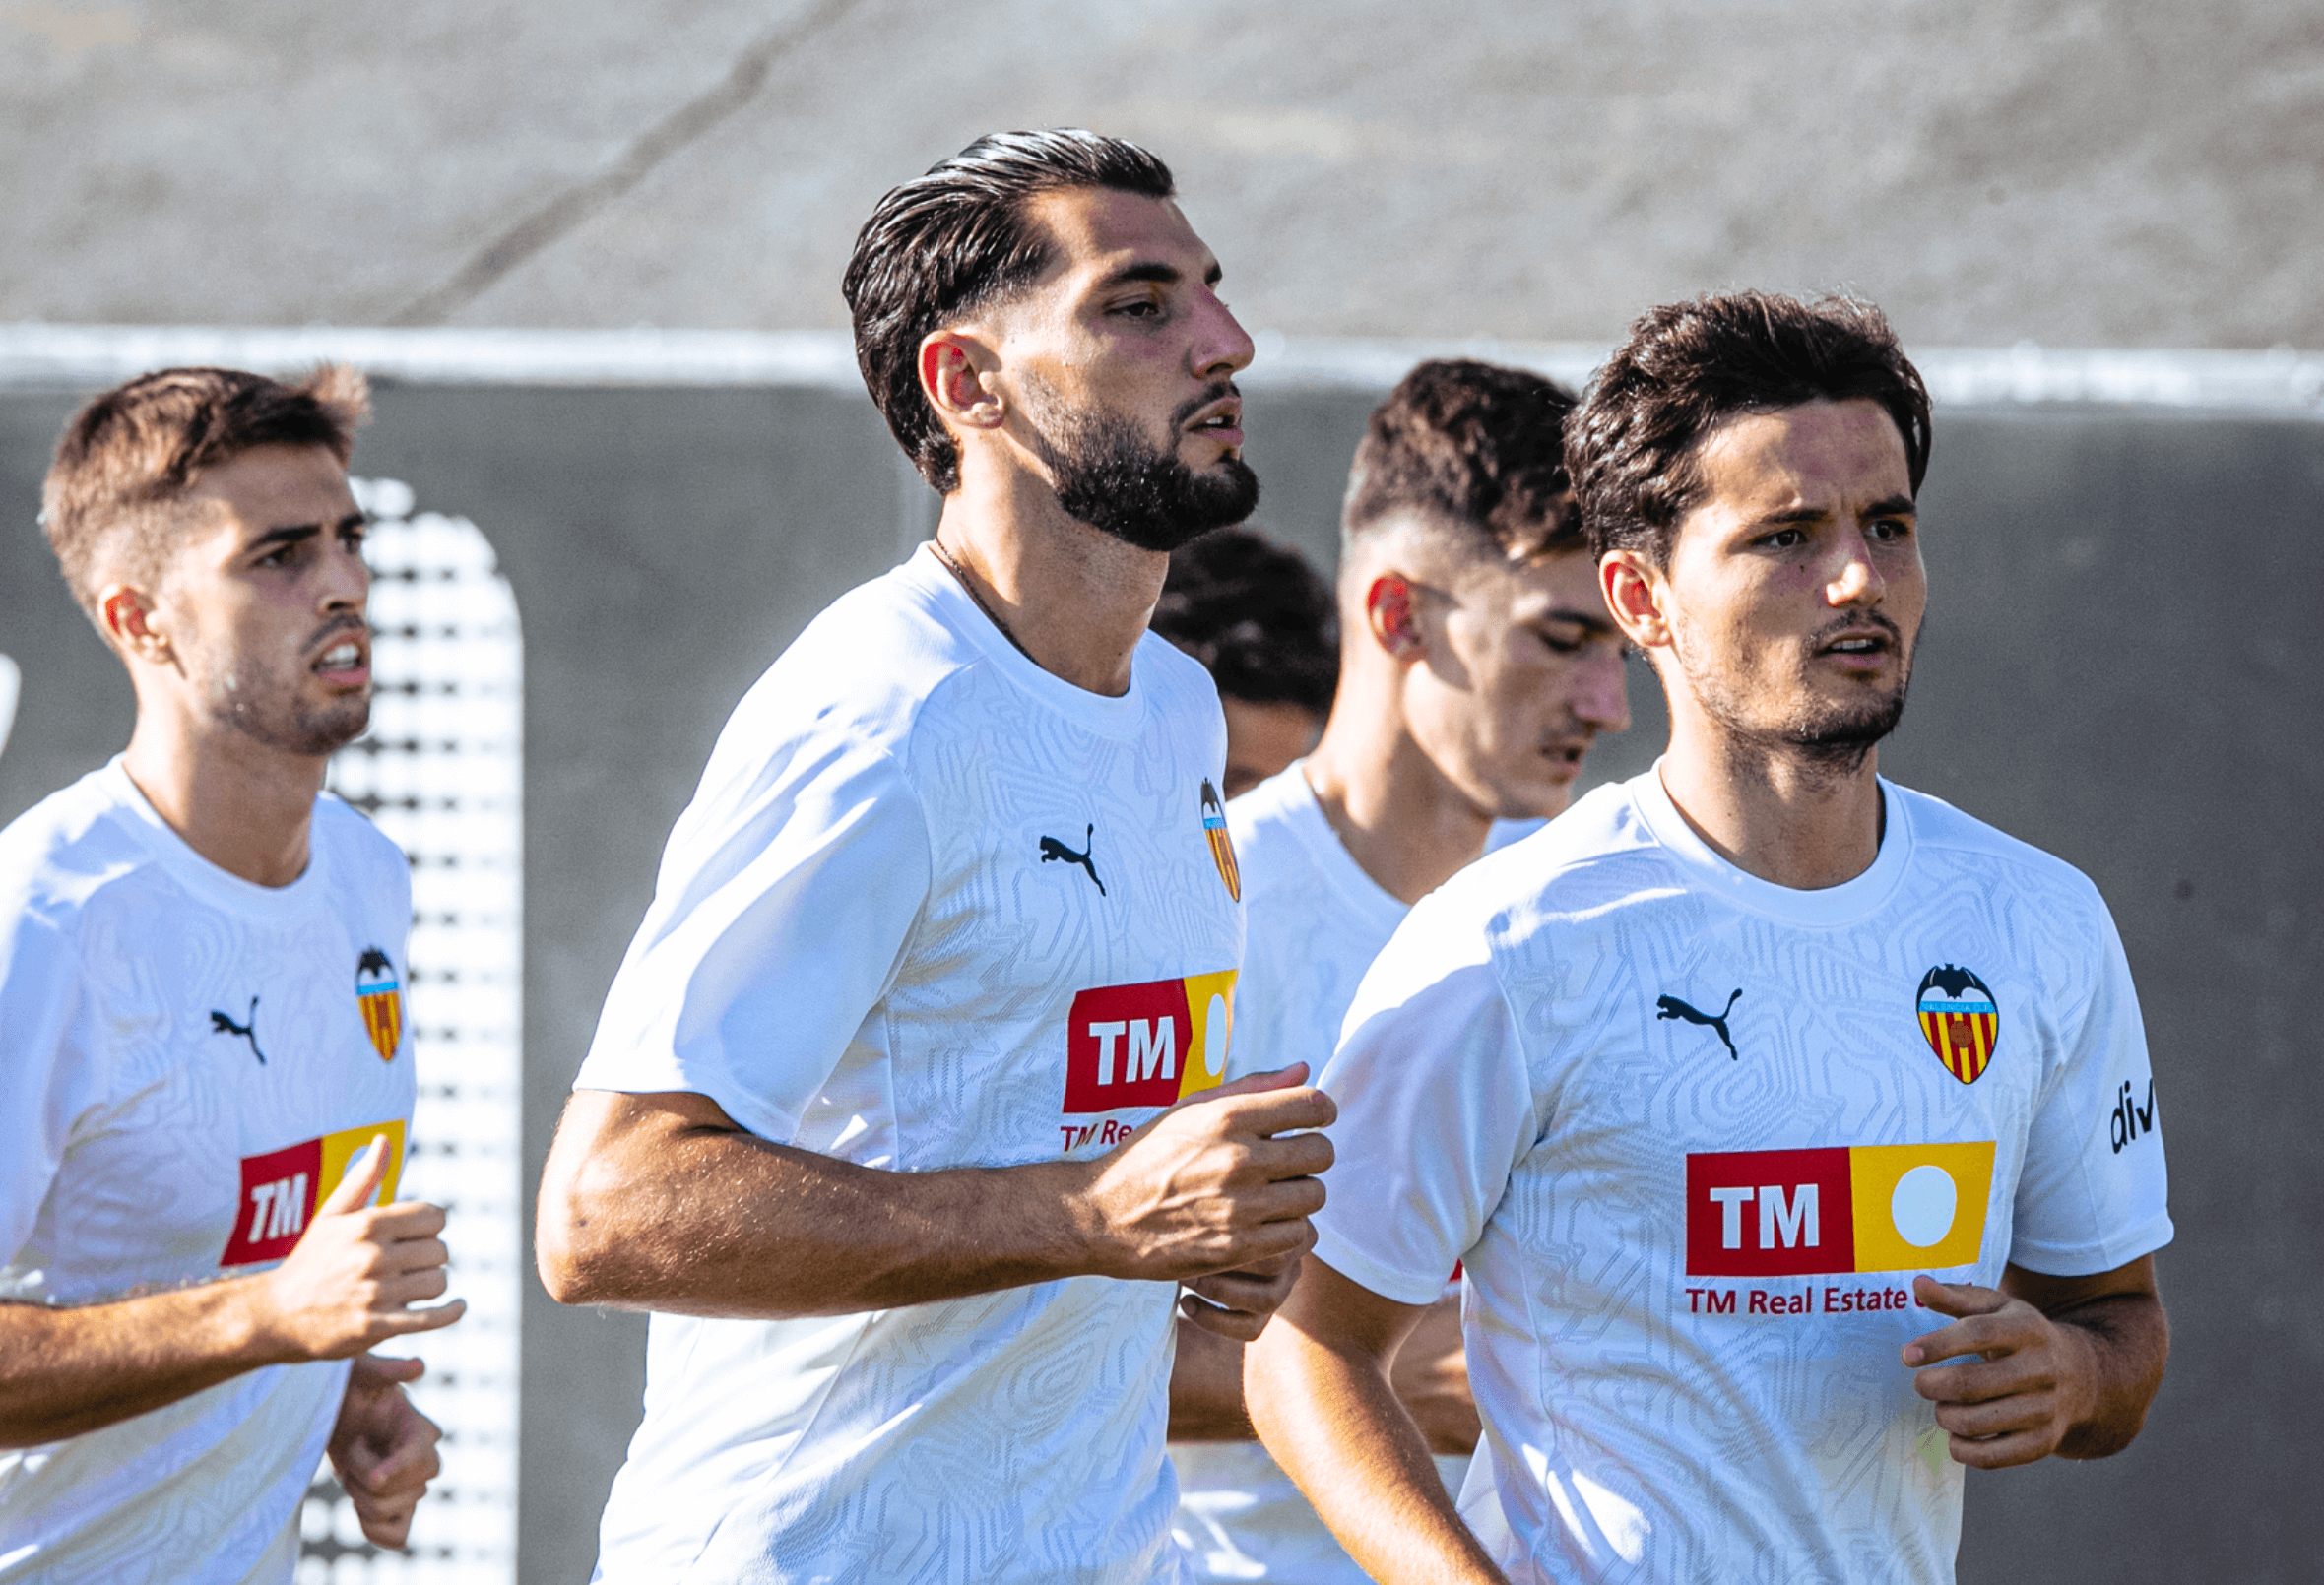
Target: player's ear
<point x="130" y="619"/>
<point x="955" y="369"/>
<point x="1387" y="611"/>
<point x="1636" y="592"/>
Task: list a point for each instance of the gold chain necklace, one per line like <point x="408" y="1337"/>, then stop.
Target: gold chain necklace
<point x="990" y="615"/>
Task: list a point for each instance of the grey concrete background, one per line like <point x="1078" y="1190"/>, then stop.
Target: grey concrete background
<point x="2115" y="669"/>
<point x="2111" y="173"/>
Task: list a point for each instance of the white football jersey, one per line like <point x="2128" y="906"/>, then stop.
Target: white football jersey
<point x="1313" y="922"/>
<point x="187" y="1063"/>
<point x="930" y="907"/>
<point x="1693" y="1134"/>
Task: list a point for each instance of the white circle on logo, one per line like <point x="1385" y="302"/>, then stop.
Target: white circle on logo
<point x="1924" y="1204"/>
<point x="1215" y="1037"/>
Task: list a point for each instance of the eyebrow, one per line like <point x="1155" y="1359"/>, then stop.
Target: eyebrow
<point x="1155" y="269"/>
<point x="1888" y="506"/>
<point x="293" y="532"/>
<point x="1594" y="621"/>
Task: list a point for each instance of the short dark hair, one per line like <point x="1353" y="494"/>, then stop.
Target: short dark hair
<point x="956" y="239"/>
<point x="1469" y="446"/>
<point x="1256" y="616"/>
<point x="1688" y="366"/>
<point x="128" y="456"/>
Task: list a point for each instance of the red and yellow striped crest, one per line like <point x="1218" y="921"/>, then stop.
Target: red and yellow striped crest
<point x="1959" y="1021"/>
<point x="1222" y="845"/>
<point x="380" y="995"/>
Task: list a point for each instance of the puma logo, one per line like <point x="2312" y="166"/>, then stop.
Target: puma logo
<point x="220" y="1024"/>
<point x="1716" y="1023"/>
<point x="1051" y="849"/>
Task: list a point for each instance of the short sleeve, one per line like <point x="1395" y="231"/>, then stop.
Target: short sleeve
<point x="788" y="893"/>
<point x="2094" y="1194"/>
<point x="1436" y="1109"/>
<point x="45" y="1080"/>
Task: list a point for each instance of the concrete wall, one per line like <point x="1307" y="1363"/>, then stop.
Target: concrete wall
<point x="2112" y="173"/>
<point x="2115" y="669"/>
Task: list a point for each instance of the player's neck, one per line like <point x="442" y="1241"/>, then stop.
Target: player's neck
<point x="1771" y="811"/>
<point x="1074" y="599"/>
<point x="1399" y="819"/>
<point x="238" y="804"/>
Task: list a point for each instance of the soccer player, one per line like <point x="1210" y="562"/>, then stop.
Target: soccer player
<point x="886" y="1120"/>
<point x="1260" y="620"/>
<point x="204" y="1075"/>
<point x="1767" y="1103"/>
<point x="1477" y="666"/>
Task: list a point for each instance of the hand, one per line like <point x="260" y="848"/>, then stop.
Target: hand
<point x="1207" y="1188"/>
<point x="383" y="1448"/>
<point x="1237" y="1303"/>
<point x="2032" y="1383"/>
<point x="352" y="1278"/>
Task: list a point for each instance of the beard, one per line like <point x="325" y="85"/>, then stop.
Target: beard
<point x="1111" y="477"/>
<point x="1830" y="736"/>
<point x="263" y="705"/>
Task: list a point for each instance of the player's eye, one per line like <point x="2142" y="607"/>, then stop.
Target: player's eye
<point x="1784" y="539"/>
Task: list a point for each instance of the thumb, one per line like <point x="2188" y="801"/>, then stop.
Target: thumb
<point x="372" y="1371"/>
<point x="1290" y="1078"/>
<point x="1956" y="1300"/>
<point x="362" y="1179"/>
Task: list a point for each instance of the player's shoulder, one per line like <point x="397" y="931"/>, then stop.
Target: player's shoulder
<point x="1179" y="680"/>
<point x="1592" y="854"/>
<point x="868" y="663"/>
<point x="367" y="853"/>
<point x="67" y="850"/>
<point x="1944" y="836"/>
<point x="1269" y="823"/>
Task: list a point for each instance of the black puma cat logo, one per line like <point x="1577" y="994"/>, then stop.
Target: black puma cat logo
<point x="1051" y="849"/>
<point x="220" y="1024"/>
<point x="1716" y="1023"/>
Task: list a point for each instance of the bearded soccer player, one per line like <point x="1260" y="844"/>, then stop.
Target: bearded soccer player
<point x="906" y="1108"/>
<point x="1778" y="1150"/>
<point x="204" y="1075"/>
<point x="1477" y="666"/>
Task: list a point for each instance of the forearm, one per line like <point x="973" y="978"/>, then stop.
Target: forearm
<point x="1206" y="1388"/>
<point x="729" y="1225"/>
<point x="64" y="1372"/>
<point x="1331" y="1419"/>
<point x="2128" y="1336"/>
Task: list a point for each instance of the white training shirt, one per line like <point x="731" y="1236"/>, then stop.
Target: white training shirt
<point x="930" y="907"/>
<point x="1313" y="922"/>
<point x="1689" y="1245"/>
<point x="187" y="1063"/>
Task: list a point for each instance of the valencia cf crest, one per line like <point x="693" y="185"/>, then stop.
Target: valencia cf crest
<point x="1959" y="1020"/>
<point x="1222" y="845"/>
<point x="381" y="997"/>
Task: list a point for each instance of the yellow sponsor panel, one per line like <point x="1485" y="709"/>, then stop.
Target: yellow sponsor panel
<point x="345" y="1146"/>
<point x="1919" y="1207"/>
<point x="1210" y="1009"/>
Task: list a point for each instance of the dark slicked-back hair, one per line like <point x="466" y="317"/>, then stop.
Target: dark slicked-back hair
<point x="1690" y="367"/>
<point x="1256" y="616"/>
<point x="129" y="457"/>
<point x="1469" y="448"/>
<point x="955" y="239"/>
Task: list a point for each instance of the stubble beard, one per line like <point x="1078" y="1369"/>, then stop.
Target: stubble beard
<point x="1111" y="477"/>
<point x="1830" y="740"/>
<point x="264" y="706"/>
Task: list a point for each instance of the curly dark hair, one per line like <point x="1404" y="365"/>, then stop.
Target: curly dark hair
<point x="1469" y="446"/>
<point x="955" y="239"/>
<point x="1688" y="366"/>
<point x="1256" y="616"/>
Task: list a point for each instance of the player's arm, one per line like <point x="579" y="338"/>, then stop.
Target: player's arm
<point x="1319" y="1389"/>
<point x="348" y="1285"/>
<point x="1430" y="1375"/>
<point x="663" y="1202"/>
<point x="2043" y="1365"/>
